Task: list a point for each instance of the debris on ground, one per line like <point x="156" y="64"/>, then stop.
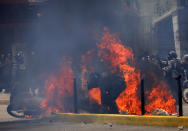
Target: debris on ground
<point x="180" y="128"/>
<point x="124" y="113"/>
<point x="160" y="112"/>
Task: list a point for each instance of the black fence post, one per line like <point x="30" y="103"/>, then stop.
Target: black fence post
<point x="180" y="95"/>
<point x="75" y="97"/>
<point x="142" y="98"/>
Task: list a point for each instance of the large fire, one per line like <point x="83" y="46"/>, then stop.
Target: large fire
<point x="160" y="97"/>
<point x="121" y="59"/>
<point x="59" y="89"/>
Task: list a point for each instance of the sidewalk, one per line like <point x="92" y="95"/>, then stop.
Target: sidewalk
<point x="4" y="99"/>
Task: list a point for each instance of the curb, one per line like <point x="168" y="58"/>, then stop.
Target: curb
<point x="122" y="119"/>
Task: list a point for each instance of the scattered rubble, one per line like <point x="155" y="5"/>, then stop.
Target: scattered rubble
<point x="124" y="113"/>
<point x="160" y="112"/>
<point x="110" y="124"/>
<point x="180" y="128"/>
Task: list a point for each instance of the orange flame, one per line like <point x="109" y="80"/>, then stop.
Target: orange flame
<point x="58" y="89"/>
<point x="121" y="58"/>
<point x="159" y="97"/>
<point x="95" y="95"/>
<point x="86" y="67"/>
<point x="28" y="116"/>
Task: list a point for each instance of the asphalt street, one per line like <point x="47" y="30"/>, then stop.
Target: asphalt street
<point x="8" y="123"/>
<point x="59" y="126"/>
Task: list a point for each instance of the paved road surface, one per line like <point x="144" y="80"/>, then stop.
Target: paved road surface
<point x="8" y="123"/>
<point x="50" y="126"/>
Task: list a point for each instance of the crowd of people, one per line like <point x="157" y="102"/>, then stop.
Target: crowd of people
<point x="172" y="68"/>
<point x="171" y="65"/>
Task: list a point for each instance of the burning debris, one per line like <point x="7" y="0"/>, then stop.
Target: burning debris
<point x="121" y="58"/>
<point x="59" y="89"/>
<point x="110" y="79"/>
<point x="108" y="74"/>
<point x="160" y="97"/>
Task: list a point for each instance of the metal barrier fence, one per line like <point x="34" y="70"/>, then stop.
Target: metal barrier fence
<point x="143" y="111"/>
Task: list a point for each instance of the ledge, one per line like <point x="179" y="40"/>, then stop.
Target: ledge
<point x="122" y="119"/>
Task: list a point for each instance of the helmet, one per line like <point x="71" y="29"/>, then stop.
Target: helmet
<point x="20" y="57"/>
<point x="20" y="54"/>
<point x="185" y="58"/>
<point x="172" y="55"/>
<point x="185" y="95"/>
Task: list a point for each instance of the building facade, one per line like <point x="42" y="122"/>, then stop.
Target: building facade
<point x="165" y="26"/>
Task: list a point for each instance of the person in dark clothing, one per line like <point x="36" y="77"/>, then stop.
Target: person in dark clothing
<point x="171" y="71"/>
<point x="2" y="59"/>
<point x="185" y="61"/>
<point x="172" y="55"/>
<point x="19" y="81"/>
<point x="184" y="73"/>
<point x="111" y="85"/>
<point x="174" y="65"/>
<point x="8" y="58"/>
